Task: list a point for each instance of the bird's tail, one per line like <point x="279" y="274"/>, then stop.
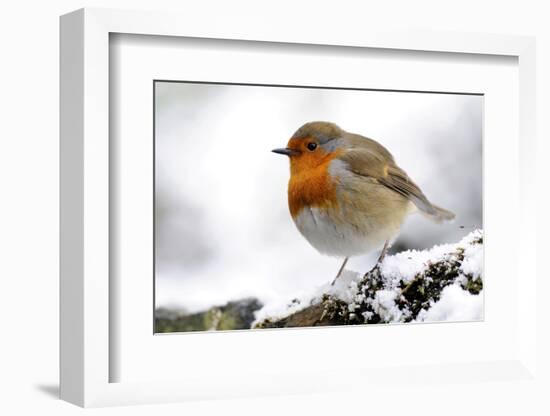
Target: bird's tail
<point x="438" y="214"/>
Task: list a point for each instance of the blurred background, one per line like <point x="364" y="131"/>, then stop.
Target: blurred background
<point x="224" y="239"/>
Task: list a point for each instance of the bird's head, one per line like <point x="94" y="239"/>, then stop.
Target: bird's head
<point x="312" y="145"/>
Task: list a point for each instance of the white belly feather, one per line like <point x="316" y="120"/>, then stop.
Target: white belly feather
<point x="341" y="240"/>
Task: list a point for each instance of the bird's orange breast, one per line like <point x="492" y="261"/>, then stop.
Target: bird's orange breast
<point x="311" y="184"/>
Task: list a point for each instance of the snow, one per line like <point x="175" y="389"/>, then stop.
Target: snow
<point x="385" y="306"/>
<point x="275" y="310"/>
<point x="454" y="304"/>
<point x="473" y="260"/>
<point x="405" y="265"/>
<point x="345" y="289"/>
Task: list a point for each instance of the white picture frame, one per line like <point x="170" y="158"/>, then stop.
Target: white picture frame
<point x="85" y="223"/>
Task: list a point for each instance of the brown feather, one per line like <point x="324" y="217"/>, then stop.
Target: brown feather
<point x="368" y="158"/>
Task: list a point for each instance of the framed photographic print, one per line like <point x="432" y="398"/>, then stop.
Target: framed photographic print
<point x="236" y="208"/>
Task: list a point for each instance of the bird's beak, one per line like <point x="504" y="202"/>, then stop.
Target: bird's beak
<point x="286" y="151"/>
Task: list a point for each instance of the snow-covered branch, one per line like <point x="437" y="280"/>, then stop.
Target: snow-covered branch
<point x="444" y="283"/>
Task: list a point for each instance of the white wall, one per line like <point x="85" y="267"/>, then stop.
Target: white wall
<point x="28" y="210"/>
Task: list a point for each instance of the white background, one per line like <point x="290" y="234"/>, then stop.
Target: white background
<point x="29" y="172"/>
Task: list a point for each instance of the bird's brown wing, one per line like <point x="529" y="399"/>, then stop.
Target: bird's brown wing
<point x="371" y="163"/>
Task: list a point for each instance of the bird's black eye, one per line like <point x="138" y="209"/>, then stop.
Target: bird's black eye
<point x="311" y="146"/>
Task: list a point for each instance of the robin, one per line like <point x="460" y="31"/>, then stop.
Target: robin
<point x="346" y="194"/>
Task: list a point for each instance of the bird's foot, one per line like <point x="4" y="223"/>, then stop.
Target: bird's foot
<point x="375" y="269"/>
<point x="380" y="259"/>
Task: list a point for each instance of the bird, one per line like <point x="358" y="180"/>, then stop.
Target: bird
<point x="346" y="194"/>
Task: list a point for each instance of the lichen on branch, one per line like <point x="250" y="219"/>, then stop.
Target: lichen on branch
<point x="444" y="283"/>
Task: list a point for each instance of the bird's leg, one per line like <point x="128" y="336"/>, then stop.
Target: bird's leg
<point x="340" y="271"/>
<point x="381" y="257"/>
<point x="383" y="253"/>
